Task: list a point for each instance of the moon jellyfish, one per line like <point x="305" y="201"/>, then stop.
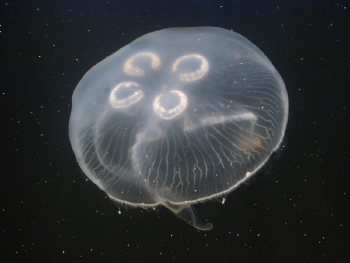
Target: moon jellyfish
<point x="177" y="117"/>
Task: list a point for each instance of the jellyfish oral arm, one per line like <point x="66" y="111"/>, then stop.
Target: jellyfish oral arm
<point x="187" y="213"/>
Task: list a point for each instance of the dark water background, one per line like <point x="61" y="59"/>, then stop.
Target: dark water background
<point x="296" y="209"/>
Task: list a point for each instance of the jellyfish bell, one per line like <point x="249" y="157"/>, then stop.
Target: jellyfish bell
<point x="177" y="117"/>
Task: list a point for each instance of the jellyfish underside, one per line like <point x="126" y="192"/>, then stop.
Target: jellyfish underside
<point x="186" y="211"/>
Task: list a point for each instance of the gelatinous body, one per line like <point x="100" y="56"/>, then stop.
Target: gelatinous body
<point x="176" y="117"/>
